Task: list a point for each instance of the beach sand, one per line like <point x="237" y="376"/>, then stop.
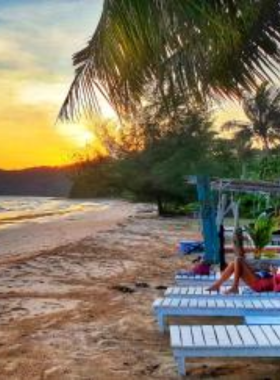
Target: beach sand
<point x="76" y="296"/>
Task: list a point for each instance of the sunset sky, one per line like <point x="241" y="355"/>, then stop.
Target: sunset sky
<point x="37" y="41"/>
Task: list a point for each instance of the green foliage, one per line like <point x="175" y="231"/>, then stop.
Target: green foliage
<point x="96" y="178"/>
<point x="261" y="230"/>
<point x="155" y="173"/>
<point x="260" y="167"/>
<point x="250" y="205"/>
<point x="192" y="208"/>
<point x="269" y="168"/>
<point x="182" y="147"/>
<point x="223" y="161"/>
<point x="171" y="150"/>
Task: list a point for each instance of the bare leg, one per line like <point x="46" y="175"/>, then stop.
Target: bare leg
<point x="247" y="274"/>
<point x="224" y="277"/>
<point x="242" y="271"/>
<point x="237" y="276"/>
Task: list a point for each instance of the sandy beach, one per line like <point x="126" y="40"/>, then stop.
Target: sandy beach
<point x="37" y="234"/>
<point x="76" y="296"/>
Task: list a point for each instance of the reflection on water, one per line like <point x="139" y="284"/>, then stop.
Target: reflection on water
<point x="19" y="209"/>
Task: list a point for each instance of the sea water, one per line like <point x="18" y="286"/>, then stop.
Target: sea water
<point x="17" y="209"/>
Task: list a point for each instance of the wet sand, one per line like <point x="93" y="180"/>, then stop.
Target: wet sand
<point x="33" y="236"/>
<point x="81" y="310"/>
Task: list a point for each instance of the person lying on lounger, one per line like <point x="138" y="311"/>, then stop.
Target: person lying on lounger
<point x="258" y="281"/>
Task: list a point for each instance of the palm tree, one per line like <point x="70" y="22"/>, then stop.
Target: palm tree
<point x="263" y="111"/>
<point x="190" y="48"/>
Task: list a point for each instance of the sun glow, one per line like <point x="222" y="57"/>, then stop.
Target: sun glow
<point x="79" y="134"/>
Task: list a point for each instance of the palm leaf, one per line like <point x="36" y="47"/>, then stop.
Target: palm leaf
<point x="192" y="48"/>
<point x="261" y="230"/>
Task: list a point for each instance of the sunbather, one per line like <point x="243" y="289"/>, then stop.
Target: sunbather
<point x="258" y="281"/>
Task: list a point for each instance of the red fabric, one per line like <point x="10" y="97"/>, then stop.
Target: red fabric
<point x="277" y="283"/>
<point x="263" y="285"/>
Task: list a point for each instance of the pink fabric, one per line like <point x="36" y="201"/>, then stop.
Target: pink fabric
<point x="263" y="285"/>
<point x="202" y="269"/>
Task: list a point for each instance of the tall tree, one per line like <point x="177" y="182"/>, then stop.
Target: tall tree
<point x="263" y="112"/>
<point x="157" y="172"/>
<point x="187" y="47"/>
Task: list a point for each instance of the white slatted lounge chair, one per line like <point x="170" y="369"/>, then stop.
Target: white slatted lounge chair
<point x="182" y="279"/>
<point x="224" y="341"/>
<point x="165" y="308"/>
<point x="261" y="320"/>
<point x="201" y="291"/>
<point x="185" y="275"/>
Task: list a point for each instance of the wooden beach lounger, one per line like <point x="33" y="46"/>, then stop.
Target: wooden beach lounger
<point x="165" y="308"/>
<point x="224" y="341"/>
<point x="188" y="279"/>
<point x="182" y="277"/>
<point x="201" y="291"/>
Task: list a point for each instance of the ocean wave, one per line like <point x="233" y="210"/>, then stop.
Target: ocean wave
<point x="20" y="209"/>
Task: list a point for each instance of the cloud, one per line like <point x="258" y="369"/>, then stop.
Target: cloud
<point x="39" y="93"/>
<point x="13" y="57"/>
<point x="37" y="42"/>
<point x="50" y="31"/>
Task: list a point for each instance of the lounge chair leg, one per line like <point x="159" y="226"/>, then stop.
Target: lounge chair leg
<point x="181" y="362"/>
<point x="161" y="323"/>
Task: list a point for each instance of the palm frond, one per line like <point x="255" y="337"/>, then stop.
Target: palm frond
<point x="261" y="230"/>
<point x="193" y="48"/>
<point x="235" y="125"/>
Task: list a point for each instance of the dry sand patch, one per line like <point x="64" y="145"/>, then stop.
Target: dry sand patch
<point x="24" y="307"/>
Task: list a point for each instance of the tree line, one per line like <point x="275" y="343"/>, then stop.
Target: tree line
<point x="161" y="65"/>
<point x="149" y="158"/>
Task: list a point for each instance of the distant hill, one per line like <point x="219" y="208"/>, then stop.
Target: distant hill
<point x="42" y="181"/>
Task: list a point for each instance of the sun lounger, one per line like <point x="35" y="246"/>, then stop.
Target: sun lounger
<point x="223" y="341"/>
<point x="261" y="320"/>
<point x="201" y="291"/>
<point x="186" y="278"/>
<point x="165" y="308"/>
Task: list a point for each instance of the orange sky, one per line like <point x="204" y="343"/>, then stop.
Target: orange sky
<point x="38" y="39"/>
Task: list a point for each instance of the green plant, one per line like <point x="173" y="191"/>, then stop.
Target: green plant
<point x="260" y="232"/>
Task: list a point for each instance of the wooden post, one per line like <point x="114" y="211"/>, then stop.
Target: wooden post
<point x="221" y="213"/>
<point x="208" y="216"/>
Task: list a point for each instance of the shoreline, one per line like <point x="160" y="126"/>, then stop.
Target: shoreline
<point x="62" y="229"/>
<point x="23" y="209"/>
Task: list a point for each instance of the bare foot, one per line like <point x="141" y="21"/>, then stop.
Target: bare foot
<point x="213" y="288"/>
<point x="232" y="290"/>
